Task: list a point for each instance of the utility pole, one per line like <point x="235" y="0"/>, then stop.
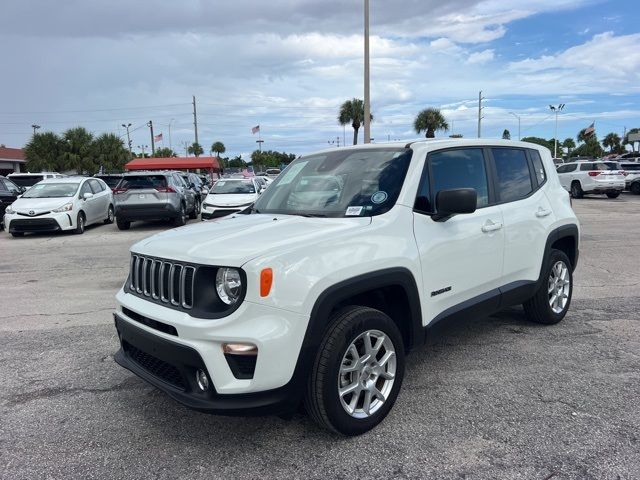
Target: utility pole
<point x="195" y="118"/>
<point x="557" y="110"/>
<point x="260" y="142"/>
<point x="170" y="121"/>
<point x="35" y="127"/>
<point x="127" y="126"/>
<point x="480" y="117"/>
<point x="153" y="146"/>
<point x="518" y="117"/>
<point x="367" y="77"/>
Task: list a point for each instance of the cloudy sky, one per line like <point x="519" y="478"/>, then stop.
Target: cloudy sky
<point x="288" y="64"/>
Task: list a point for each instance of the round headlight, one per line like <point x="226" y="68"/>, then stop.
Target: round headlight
<point x="228" y="285"/>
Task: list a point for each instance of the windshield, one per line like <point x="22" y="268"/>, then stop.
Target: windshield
<point x="344" y="183"/>
<point x="228" y="187"/>
<point x="26" y="180"/>
<point x="52" y="190"/>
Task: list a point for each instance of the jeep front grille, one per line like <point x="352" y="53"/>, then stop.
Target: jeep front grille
<point x="163" y="281"/>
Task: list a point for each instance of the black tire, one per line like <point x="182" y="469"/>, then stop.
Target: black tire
<point x="17" y="234"/>
<point x="196" y="210"/>
<point x="613" y="194"/>
<point x="635" y="188"/>
<point x="538" y="308"/>
<point x="110" y="216"/>
<point x="576" y="190"/>
<point x="181" y="219"/>
<point x="123" y="224"/>
<point x="80" y="221"/>
<point x="322" y="400"/>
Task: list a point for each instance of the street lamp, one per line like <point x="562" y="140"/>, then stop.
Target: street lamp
<point x="518" y="117"/>
<point x="170" y="122"/>
<point x="142" y="147"/>
<point x="35" y="127"/>
<point x="557" y="110"/>
<point x="367" y="77"/>
<point x="127" y="126"/>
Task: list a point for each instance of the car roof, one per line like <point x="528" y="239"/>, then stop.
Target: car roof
<point x="33" y="174"/>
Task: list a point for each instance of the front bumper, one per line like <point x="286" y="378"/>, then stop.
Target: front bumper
<point x="168" y="355"/>
<point x="50" y="222"/>
<point x="209" y="212"/>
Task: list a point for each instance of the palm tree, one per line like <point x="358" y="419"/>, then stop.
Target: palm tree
<point x="569" y="144"/>
<point x="218" y="148"/>
<point x="430" y="120"/>
<point x="77" y="154"/>
<point x="506" y="135"/>
<point x="612" y="140"/>
<point x="352" y="111"/>
<point x="195" y="149"/>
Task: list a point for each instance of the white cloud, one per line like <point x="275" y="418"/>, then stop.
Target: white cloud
<point x="481" y="57"/>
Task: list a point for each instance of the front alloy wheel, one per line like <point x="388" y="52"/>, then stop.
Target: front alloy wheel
<point x="367" y="374"/>
<point x="357" y="372"/>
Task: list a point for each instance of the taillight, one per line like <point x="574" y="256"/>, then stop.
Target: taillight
<point x="622" y="172"/>
<point x="117" y="191"/>
<point x="165" y="190"/>
<point x="594" y="174"/>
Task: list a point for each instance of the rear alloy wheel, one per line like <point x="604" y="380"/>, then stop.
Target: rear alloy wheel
<point x="110" y="216"/>
<point x="80" y="221"/>
<point x="123" y="224"/>
<point x="551" y="302"/>
<point x="357" y="373"/>
<point x="613" y="194"/>
<point x="181" y="219"/>
<point x="635" y="188"/>
<point x="576" y="190"/>
<point x="196" y="210"/>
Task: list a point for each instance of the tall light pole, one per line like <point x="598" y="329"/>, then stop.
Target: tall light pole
<point x="153" y="145"/>
<point x="367" y="77"/>
<point x="170" y="121"/>
<point x="557" y="110"/>
<point x="35" y="127"/>
<point x="127" y="126"/>
<point x="480" y="98"/>
<point x="518" y="117"/>
<point x="142" y="147"/>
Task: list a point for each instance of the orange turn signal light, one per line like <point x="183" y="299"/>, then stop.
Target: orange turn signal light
<point x="266" y="280"/>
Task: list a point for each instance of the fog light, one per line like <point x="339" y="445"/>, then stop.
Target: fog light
<point x="244" y="349"/>
<point x="202" y="380"/>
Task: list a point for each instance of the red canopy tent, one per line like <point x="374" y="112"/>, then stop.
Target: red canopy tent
<point x="175" y="163"/>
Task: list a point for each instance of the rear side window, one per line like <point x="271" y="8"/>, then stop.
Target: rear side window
<point x="142" y="182"/>
<point x="585" y="167"/>
<point x="460" y="168"/>
<point x="513" y="175"/>
<point x="538" y="167"/>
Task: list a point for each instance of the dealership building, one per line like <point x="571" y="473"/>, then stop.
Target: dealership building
<point x="11" y="160"/>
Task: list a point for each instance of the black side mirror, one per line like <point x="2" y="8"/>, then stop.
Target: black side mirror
<point x="454" y="202"/>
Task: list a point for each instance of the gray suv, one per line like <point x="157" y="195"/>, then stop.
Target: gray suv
<point x="154" y="196"/>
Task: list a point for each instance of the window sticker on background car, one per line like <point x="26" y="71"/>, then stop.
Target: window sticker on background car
<point x="379" y="197"/>
<point x="292" y="172"/>
<point x="354" y="211"/>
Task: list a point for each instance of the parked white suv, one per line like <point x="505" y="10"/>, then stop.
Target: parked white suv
<point x="231" y="195"/>
<point x="317" y="292"/>
<point x="631" y="176"/>
<point x="581" y="178"/>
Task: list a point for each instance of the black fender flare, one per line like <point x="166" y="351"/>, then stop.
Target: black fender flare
<point x="334" y="295"/>
<point x="565" y="231"/>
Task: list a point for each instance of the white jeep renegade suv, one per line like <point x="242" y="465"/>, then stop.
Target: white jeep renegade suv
<point x="317" y="292"/>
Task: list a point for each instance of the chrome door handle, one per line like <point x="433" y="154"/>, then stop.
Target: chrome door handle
<point x="541" y="213"/>
<point x="491" y="227"/>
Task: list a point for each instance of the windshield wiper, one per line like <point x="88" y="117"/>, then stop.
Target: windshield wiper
<point x="313" y="215"/>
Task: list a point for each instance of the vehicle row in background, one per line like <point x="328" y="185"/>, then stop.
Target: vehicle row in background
<point x="599" y="177"/>
<point x="232" y="195"/>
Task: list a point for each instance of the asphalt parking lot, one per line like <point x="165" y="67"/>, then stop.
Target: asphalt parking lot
<point x="483" y="399"/>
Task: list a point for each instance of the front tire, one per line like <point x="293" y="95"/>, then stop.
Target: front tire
<point x="80" y="221"/>
<point x="181" y="219"/>
<point x="576" y="190"/>
<point x="110" y="216"/>
<point x="635" y="188"/>
<point x="357" y="372"/>
<point x="551" y="302"/>
<point x="613" y="194"/>
<point x="196" y="210"/>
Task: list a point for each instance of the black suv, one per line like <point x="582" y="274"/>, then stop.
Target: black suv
<point x="9" y="192"/>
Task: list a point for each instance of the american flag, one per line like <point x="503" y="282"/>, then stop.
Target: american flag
<point x="590" y="130"/>
<point x="255" y="129"/>
<point x="157" y="138"/>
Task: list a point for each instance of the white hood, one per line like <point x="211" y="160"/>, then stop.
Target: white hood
<point x="233" y="241"/>
<point x="231" y="199"/>
<point x="39" y="205"/>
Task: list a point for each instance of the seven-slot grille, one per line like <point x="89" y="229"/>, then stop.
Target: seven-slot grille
<point x="162" y="280"/>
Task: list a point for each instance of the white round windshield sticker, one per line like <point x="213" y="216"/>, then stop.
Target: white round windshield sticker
<point x="379" y="197"/>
